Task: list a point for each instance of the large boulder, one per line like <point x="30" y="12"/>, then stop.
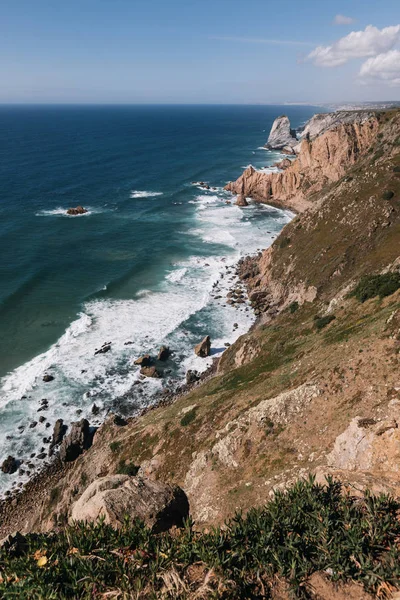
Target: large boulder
<point x="143" y="361"/>
<point x="281" y="135"/>
<point x="204" y="347"/>
<point x="163" y="353"/>
<point x="241" y="200"/>
<point x="58" y="433"/>
<point x="150" y="372"/>
<point x="79" y="439"/>
<point x="10" y="465"/>
<point x="114" y="497"/>
<point x="78" y="210"/>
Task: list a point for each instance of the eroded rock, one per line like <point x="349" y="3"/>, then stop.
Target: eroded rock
<point x="114" y="497"/>
<point x="204" y="347"/>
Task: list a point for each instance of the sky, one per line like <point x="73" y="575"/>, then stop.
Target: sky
<point x="199" y="51"/>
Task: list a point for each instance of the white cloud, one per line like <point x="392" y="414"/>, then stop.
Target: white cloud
<point x="384" y="67"/>
<point x="357" y="44"/>
<point x="342" y="20"/>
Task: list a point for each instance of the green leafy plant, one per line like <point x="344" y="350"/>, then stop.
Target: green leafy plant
<point x="125" y="468"/>
<point x="321" y="322"/>
<point x="293" y="307"/>
<point x="188" y="417"/>
<point x="371" y="286"/>
<point x="115" y="446"/>
<point x="309" y="528"/>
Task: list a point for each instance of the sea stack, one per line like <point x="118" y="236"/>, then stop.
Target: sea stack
<point x="281" y="136"/>
<point x="78" y="210"/>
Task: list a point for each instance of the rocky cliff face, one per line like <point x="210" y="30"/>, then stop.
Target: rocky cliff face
<point x="320" y="161"/>
<point x="313" y="387"/>
<point x="282" y="137"/>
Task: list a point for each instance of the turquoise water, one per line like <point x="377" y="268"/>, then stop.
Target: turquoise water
<point x="138" y="269"/>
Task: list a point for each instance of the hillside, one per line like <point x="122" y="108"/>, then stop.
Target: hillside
<point x="312" y="388"/>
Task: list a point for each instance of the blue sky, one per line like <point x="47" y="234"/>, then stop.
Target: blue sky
<point x="198" y="51"/>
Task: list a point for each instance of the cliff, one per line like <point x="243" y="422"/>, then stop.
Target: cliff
<point x="312" y="389"/>
<point x="320" y="161"/>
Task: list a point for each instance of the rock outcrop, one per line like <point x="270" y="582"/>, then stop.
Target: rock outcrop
<point x="204" y="347"/>
<point x="78" y="210"/>
<point x="9" y="465"/>
<point x="78" y="440"/>
<point x="115" y="497"/>
<point x="150" y="372"/>
<point x="163" y="353"/>
<point x="320" y="161"/>
<point x="241" y="201"/>
<point x="281" y="136"/>
<point x="58" y="433"/>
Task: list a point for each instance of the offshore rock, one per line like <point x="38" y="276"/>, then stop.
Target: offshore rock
<point x="241" y="201"/>
<point x="114" y="497"/>
<point x="203" y="348"/>
<point x="10" y="465"/>
<point x="149" y="372"/>
<point x="281" y="135"/>
<point x="143" y="361"/>
<point x="78" y="210"/>
<point x="163" y="353"/>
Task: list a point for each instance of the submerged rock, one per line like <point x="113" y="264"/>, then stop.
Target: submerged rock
<point x="114" y="497"/>
<point x="78" y="210"/>
<point x="203" y="348"/>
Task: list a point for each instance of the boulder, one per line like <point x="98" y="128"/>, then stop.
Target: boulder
<point x="78" y="210"/>
<point x="115" y="497"/>
<point x="47" y="378"/>
<point x="192" y="376"/>
<point x="241" y="201"/>
<point x="163" y="353"/>
<point x="203" y="348"/>
<point x="79" y="439"/>
<point x="10" y="465"/>
<point x="281" y="135"/>
<point x="58" y="433"/>
<point x="105" y="348"/>
<point x="149" y="372"/>
<point x="143" y="361"/>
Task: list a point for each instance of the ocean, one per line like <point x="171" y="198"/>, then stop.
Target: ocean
<point x="150" y="263"/>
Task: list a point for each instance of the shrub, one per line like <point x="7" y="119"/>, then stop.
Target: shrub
<point x="125" y="468"/>
<point x="321" y="322"/>
<point x="371" y="286"/>
<point x="115" y="446"/>
<point x="396" y="169"/>
<point x="310" y="528"/>
<point x="188" y="418"/>
<point x="388" y="195"/>
<point x="284" y="242"/>
<point x="293" y="306"/>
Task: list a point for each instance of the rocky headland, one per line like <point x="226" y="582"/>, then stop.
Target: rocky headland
<point x="312" y="389"/>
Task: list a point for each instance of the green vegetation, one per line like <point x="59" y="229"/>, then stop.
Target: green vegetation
<point x="285" y="241"/>
<point x="115" y="446"/>
<point x="293" y="307"/>
<point x="396" y="169"/>
<point x="310" y="528"/>
<point x="388" y="195"/>
<point x="125" y="468"/>
<point x="371" y="286"/>
<point x="321" y="322"/>
<point x="188" y="418"/>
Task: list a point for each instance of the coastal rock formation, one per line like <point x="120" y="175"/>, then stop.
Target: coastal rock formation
<point x="241" y="201"/>
<point x="281" y="135"/>
<point x="58" y="433"/>
<point x="320" y="161"/>
<point x="143" y="361"/>
<point x="159" y="505"/>
<point x="78" y="440"/>
<point x="9" y="465"/>
<point x="163" y="353"/>
<point x="203" y="348"/>
<point x="322" y="122"/>
<point x="78" y="210"/>
<point x="150" y="372"/>
<point x="47" y="378"/>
